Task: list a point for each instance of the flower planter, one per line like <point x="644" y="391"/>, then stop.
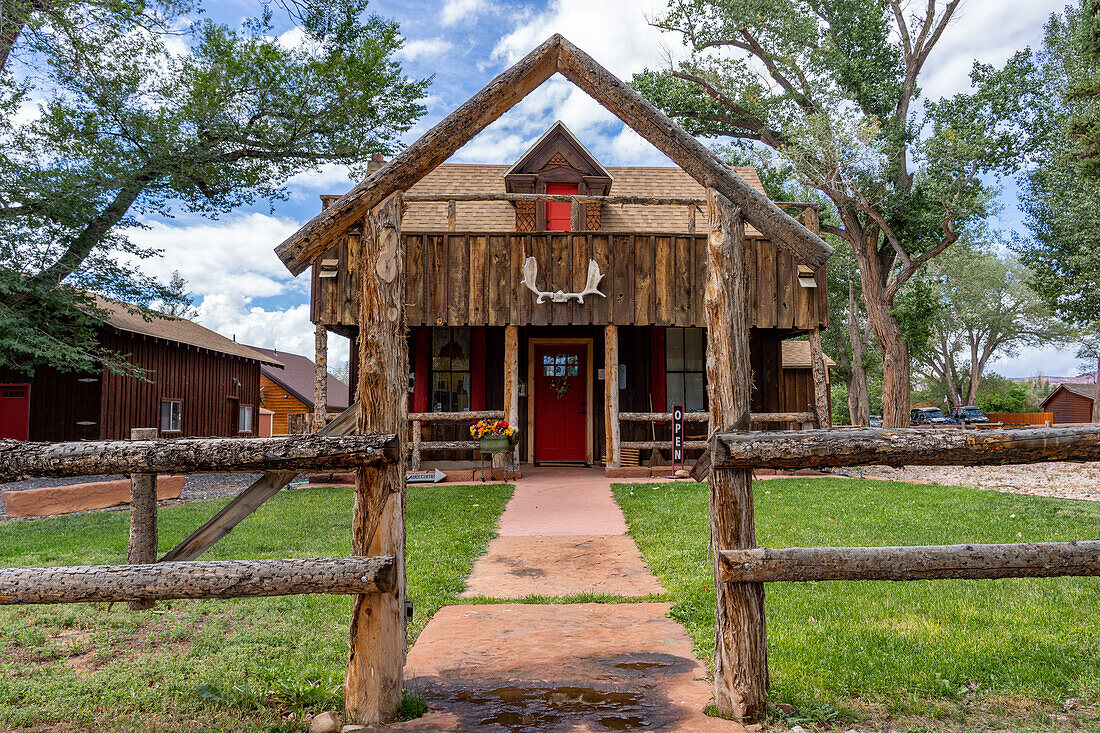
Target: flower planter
<point x="496" y="444"/>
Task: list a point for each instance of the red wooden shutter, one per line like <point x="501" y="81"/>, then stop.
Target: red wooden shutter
<point x="558" y="217"/>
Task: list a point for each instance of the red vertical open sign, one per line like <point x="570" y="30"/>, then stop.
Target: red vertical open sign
<point x="678" y="435"/>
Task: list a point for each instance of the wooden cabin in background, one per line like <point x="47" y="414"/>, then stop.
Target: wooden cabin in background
<point x="288" y="391"/>
<point x="1070" y="403"/>
<point x="469" y="265"/>
<point x="199" y="383"/>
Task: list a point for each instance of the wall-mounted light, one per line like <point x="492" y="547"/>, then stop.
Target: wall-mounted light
<point x="622" y="376"/>
<point x="236" y="382"/>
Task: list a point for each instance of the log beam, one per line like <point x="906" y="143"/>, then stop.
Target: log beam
<point x="611" y="394"/>
<point x="471" y="416"/>
<point x="320" y="377"/>
<point x="562" y="198"/>
<point x="821" y="380"/>
<point x="511" y="381"/>
<point x="375" y="676"/>
<point x="194" y="580"/>
<point x="972" y="562"/>
<point x="905" y="447"/>
<point x="741" y="651"/>
<point x="20" y="459"/>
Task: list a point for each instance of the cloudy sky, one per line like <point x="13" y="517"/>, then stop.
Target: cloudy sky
<point x="241" y="287"/>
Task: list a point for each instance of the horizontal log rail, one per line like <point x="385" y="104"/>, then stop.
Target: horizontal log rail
<point x="784" y="417"/>
<point x="20" y="459"/>
<point x="936" y="562"/>
<point x="657" y="444"/>
<point x="195" y="580"/>
<point x="556" y="198"/>
<point x="456" y="416"/>
<point x="795" y="418"/>
<point x="905" y="446"/>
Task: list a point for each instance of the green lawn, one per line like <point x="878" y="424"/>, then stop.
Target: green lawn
<point x="249" y="664"/>
<point x="937" y="649"/>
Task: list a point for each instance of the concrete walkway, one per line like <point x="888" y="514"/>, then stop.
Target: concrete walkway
<point x="560" y="667"/>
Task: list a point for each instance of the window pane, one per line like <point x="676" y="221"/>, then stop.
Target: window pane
<point x="460" y="359"/>
<point x="440" y="338"/>
<point x="245" y="422"/>
<point x="441" y="392"/>
<point x="165" y="416"/>
<point x="460" y="401"/>
<point x="171" y="416"/>
<point x="674" y="389"/>
<point x="693" y="349"/>
<point x="674" y="349"/>
<point x="695" y="393"/>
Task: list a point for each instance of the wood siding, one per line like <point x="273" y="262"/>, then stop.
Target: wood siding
<point x="274" y="397"/>
<point x="476" y="279"/>
<point x="201" y="378"/>
<point x="1069" y="407"/>
<point x="59" y="403"/>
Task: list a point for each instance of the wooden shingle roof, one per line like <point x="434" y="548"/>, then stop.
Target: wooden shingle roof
<point x="499" y="216"/>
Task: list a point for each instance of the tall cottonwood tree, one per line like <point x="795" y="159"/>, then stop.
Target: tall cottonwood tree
<point x="984" y="309"/>
<point x="114" y="111"/>
<point x="833" y="86"/>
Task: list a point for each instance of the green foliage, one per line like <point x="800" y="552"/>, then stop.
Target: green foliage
<point x="981" y="653"/>
<point x="997" y="394"/>
<point x="135" y="121"/>
<point x="915" y="309"/>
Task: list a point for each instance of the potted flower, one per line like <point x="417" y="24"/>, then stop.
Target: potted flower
<point x="495" y="436"/>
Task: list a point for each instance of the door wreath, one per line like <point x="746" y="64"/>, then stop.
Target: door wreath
<point x="560" y="385"/>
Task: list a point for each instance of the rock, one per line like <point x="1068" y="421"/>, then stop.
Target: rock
<point x="754" y="728"/>
<point x="326" y="722"/>
<point x="352" y="728"/>
<point x="798" y="729"/>
<point x="682" y="473"/>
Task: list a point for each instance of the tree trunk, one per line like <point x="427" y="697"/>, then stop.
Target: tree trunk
<point x="895" y="365"/>
<point x="375" y="677"/>
<point x="741" y="650"/>
<point x="320" y="377"/>
<point x="859" y="398"/>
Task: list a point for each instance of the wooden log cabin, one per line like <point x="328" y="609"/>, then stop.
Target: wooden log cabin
<point x="473" y="267"/>
<point x="197" y="383"/>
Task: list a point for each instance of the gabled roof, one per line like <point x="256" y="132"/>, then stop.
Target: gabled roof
<point x="558" y="129"/>
<point x="179" y="330"/>
<point x="556" y="54"/>
<point x="500" y="216"/>
<point x="296" y="377"/>
<point x="1088" y="391"/>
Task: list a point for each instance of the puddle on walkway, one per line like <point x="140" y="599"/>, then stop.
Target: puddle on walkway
<point x="513" y="707"/>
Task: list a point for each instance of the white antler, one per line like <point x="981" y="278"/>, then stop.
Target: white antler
<point x="531" y="271"/>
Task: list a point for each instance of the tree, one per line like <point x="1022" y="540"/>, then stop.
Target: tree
<point x="180" y="304"/>
<point x="984" y="309"/>
<point x="831" y="86"/>
<point x="1060" y="193"/>
<point x="131" y="125"/>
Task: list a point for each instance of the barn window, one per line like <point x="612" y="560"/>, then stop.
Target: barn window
<point x="171" y="416"/>
<point x="244" y="421"/>
<point x="450" y="369"/>
<point x="685" y="368"/>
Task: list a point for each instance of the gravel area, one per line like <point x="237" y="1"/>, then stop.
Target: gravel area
<point x="198" y="486"/>
<point x="1060" y="480"/>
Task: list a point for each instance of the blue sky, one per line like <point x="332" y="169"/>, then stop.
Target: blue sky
<point x="241" y="287"/>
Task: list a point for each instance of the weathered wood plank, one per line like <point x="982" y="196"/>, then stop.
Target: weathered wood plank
<point x="741" y="650"/>
<point x="520" y="249"/>
<point x="20" y="459"/>
<point x="499" y="276"/>
<point x="479" y="280"/>
<point x="785" y="295"/>
<point x="767" y="309"/>
<point x="684" y="279"/>
<point x="458" y="283"/>
<point x="643" y="280"/>
<point x="560" y="278"/>
<point x="146" y="583"/>
<point x="582" y="312"/>
<point x="470" y="416"/>
<point x="936" y="562"/>
<point x="541" y="250"/>
<point x="601" y="252"/>
<point x="621" y="308"/>
<point x="437" y="279"/>
<point x="664" y="282"/>
<point x="906" y="447"/>
<point x="414" y="279"/>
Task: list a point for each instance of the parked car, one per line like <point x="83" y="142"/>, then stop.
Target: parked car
<point x="928" y="416"/>
<point x="968" y="415"/>
<point x="876" y="421"/>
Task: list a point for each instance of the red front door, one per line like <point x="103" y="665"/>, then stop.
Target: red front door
<point x="15" y="411"/>
<point x="558" y="218"/>
<point x="561" y="394"/>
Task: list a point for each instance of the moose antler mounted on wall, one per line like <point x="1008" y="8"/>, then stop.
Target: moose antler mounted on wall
<point x="531" y="271"/>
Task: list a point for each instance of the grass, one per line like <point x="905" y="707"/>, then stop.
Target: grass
<point x="942" y="651"/>
<point x="248" y="664"/>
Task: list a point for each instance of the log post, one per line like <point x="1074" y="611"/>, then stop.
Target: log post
<point x="320" y="377"/>
<point x="452" y="215"/>
<point x="821" y="379"/>
<point x="374" y="682"/>
<point x="574" y="215"/>
<point x="416" y="436"/>
<point x="143" y="516"/>
<point x="691" y="219"/>
<point x="511" y="380"/>
<point x="741" y="652"/>
<point x="611" y="394"/>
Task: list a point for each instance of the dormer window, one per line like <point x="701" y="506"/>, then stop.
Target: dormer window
<point x="557" y="164"/>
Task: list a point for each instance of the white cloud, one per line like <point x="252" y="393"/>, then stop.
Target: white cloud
<point x="1048" y="361"/>
<point x="424" y="48"/>
<point x="462" y="10"/>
